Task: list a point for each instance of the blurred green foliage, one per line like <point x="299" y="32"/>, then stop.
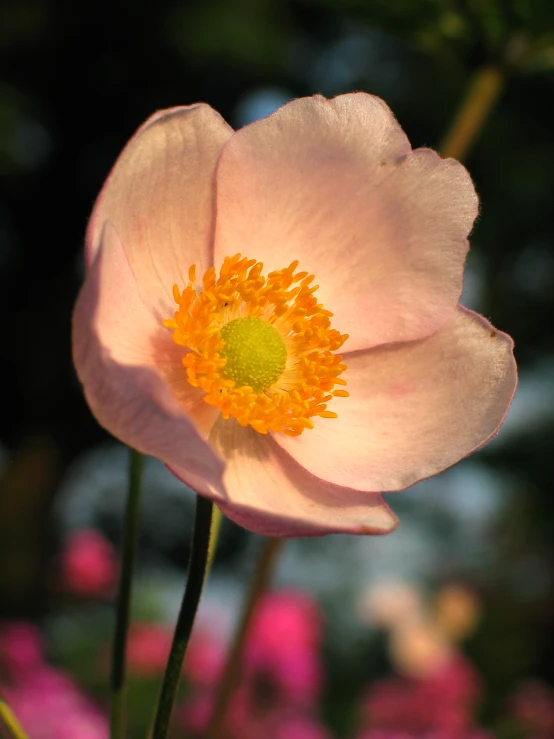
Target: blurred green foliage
<point x="519" y="34"/>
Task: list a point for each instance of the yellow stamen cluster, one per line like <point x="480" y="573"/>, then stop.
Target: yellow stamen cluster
<point x="285" y="299"/>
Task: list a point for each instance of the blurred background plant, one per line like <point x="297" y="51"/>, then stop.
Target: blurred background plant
<point x="443" y="628"/>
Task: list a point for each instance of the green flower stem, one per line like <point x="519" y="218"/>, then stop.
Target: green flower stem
<point x="189" y="606"/>
<point x="11" y="722"/>
<point x="482" y="94"/>
<point x="215" y="531"/>
<point x="130" y="537"/>
<point x="231" y="674"/>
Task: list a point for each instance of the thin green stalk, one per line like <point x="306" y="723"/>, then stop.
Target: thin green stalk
<point x="130" y="538"/>
<point x="214" y="536"/>
<point x="189" y="606"/>
<point x="11" y="722"/>
<point x="231" y="674"/>
<point x="484" y="90"/>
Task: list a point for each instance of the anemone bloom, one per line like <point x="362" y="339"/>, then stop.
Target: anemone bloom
<point x="227" y="270"/>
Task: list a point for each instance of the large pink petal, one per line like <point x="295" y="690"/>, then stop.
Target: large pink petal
<point x="127" y="362"/>
<point x="335" y="185"/>
<point x="267" y="492"/>
<point x="160" y="196"/>
<point x="415" y="408"/>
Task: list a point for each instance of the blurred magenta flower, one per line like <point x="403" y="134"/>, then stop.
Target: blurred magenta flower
<point x="292" y="726"/>
<point x="283" y="646"/>
<point x="474" y="733"/>
<point x="282" y="672"/>
<point x="226" y="367"/>
<point x="205" y="658"/>
<point x="47" y="702"/>
<point x="444" y="701"/>
<point x="246" y="721"/>
<point x="148" y="647"/>
<point x="49" y="705"/>
<point x="89" y="565"/>
<point x="194" y="714"/>
<point x="21" y="648"/>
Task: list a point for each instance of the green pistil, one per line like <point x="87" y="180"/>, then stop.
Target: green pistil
<point x="255" y="352"/>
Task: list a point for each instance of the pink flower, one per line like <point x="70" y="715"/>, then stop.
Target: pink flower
<point x="205" y="658"/>
<point x="148" y="647"/>
<point x="193" y="716"/>
<point x="442" y="702"/>
<point x="21" y="648"/>
<point x="195" y="712"/>
<point x="296" y="727"/>
<point x="283" y="643"/>
<point x="226" y="368"/>
<point x="281" y="672"/>
<point x="47" y="701"/>
<point x="245" y="720"/>
<point x="49" y="705"/>
<point x="89" y="565"/>
<point x="473" y="733"/>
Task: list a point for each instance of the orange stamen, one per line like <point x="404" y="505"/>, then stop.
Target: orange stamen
<point x="284" y="299"/>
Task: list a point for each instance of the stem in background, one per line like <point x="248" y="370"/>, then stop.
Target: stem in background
<point x="189" y="606"/>
<point x="483" y="92"/>
<point x="231" y="674"/>
<point x="11" y="722"/>
<point x="130" y="538"/>
<point x="214" y="537"/>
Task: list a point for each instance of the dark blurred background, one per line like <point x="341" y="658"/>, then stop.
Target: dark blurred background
<point x="77" y="79"/>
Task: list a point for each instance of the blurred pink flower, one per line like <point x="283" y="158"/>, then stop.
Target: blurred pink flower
<point x="295" y="726"/>
<point x="241" y="400"/>
<point x="283" y="644"/>
<point x="247" y="721"/>
<point x="281" y="677"/>
<point x="89" y="565"/>
<point x="195" y="712"/>
<point x="47" y="702"/>
<point x="21" y="648"/>
<point x="49" y="705"/>
<point x="442" y="702"/>
<point x="473" y="733"/>
<point x="205" y="658"/>
<point x="148" y="647"/>
<point x="193" y="715"/>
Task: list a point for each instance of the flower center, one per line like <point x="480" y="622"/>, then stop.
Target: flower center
<point x="255" y="352"/>
<point x="260" y="348"/>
